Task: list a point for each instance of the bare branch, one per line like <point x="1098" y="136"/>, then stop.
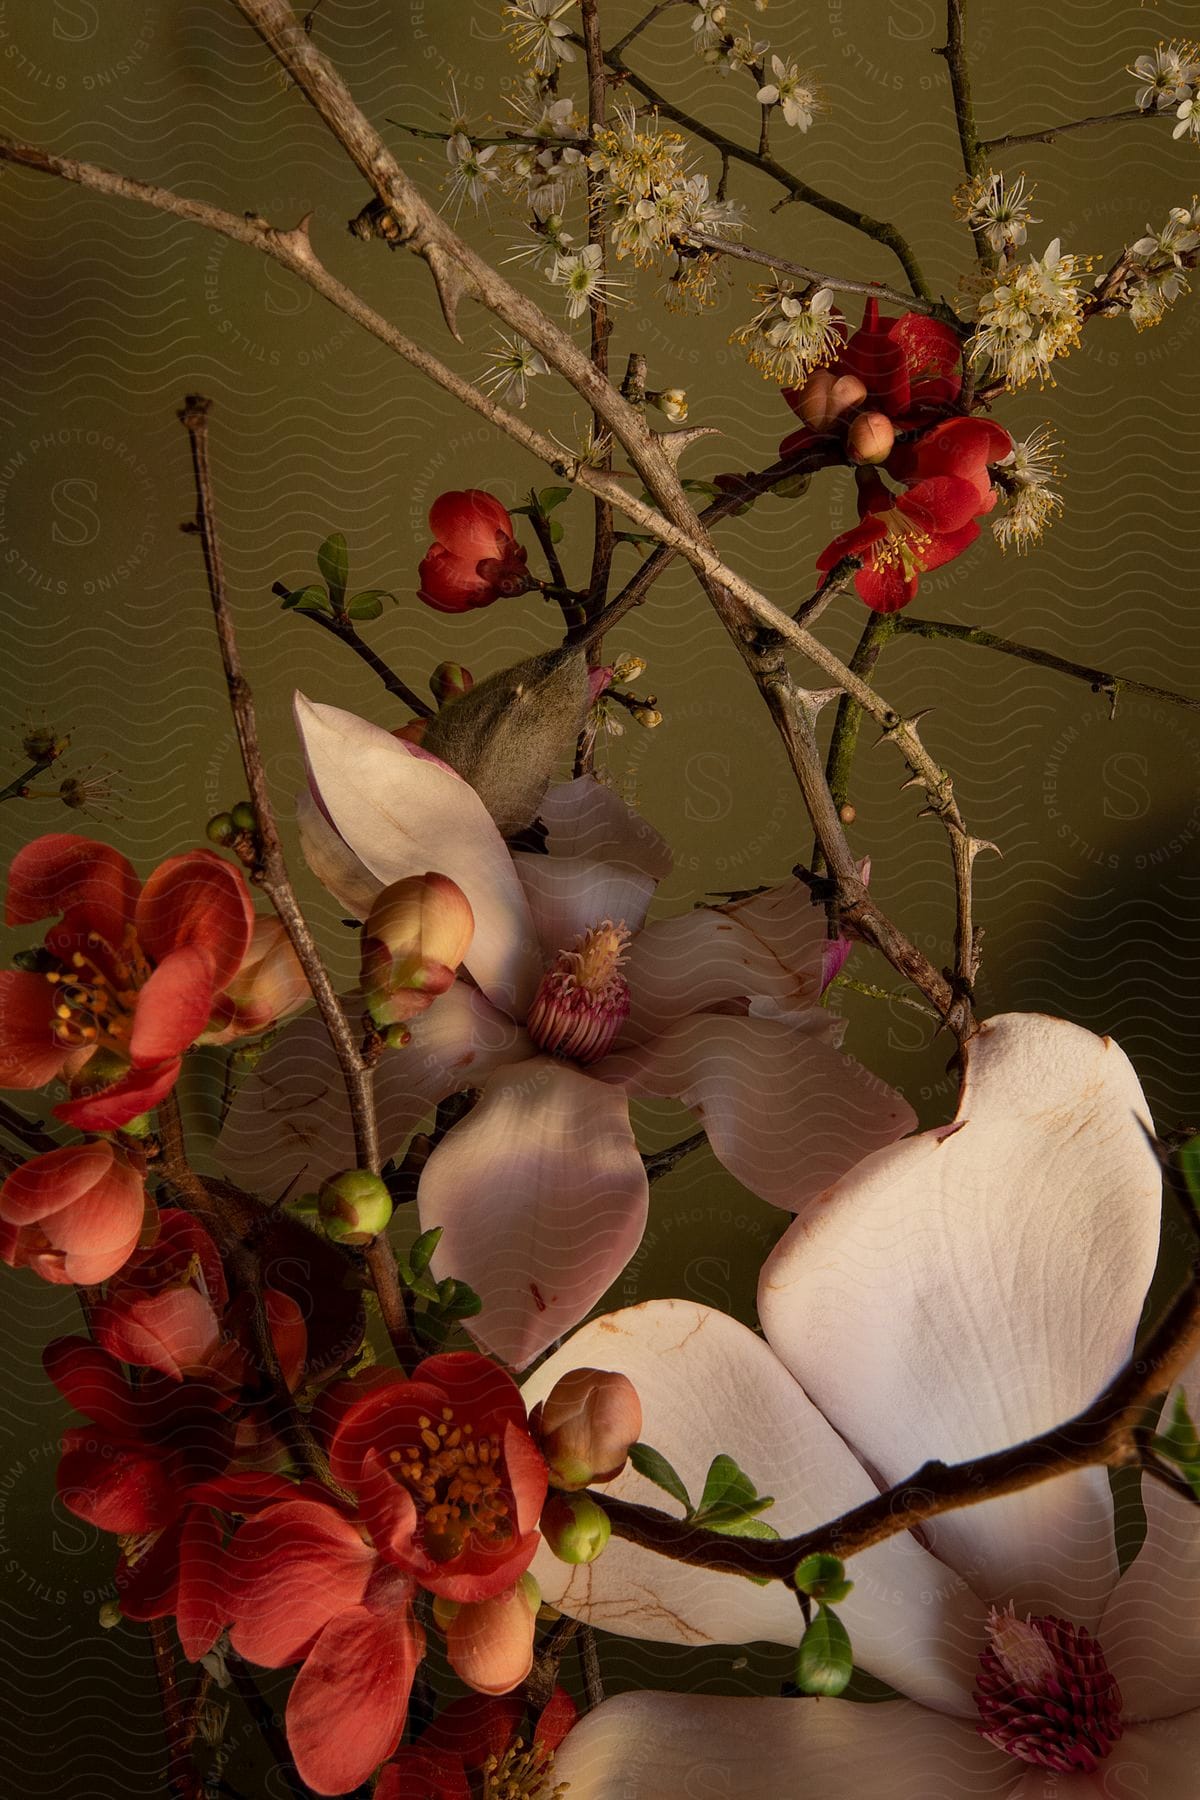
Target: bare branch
<point x="841" y="284"/>
<point x="1099" y="680"/>
<point x="1048" y="135"/>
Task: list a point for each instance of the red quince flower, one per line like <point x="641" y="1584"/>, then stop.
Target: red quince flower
<point x="130" y="1470"/>
<point x="909" y="368"/>
<point x="449" y="1481"/>
<point x="475" y="559"/>
<point x="959" y="447"/>
<point x="300" y="1584"/>
<point x="74" y="1215"/>
<point x="128" y="977"/>
<point x="269" y="984"/>
<point x="473" y="1733"/>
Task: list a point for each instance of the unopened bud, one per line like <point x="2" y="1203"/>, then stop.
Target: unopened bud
<point x="221" y="829"/>
<point x="448" y="681"/>
<point x="846" y="813"/>
<point x="490" y="1642"/>
<point x="586" y="1426"/>
<point x="416" y="934"/>
<point x="355" y="1206"/>
<point x="871" y="438"/>
<point x="672" y="403"/>
<point x="43" y="744"/>
<point x="576" y="1530"/>
<point x="413" y="732"/>
<point x="244" y="816"/>
<point x="647" y="716"/>
<point x="110" y="1614"/>
<point x="628" y="669"/>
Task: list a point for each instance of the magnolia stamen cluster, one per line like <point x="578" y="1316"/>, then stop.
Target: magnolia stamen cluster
<point x="791" y="334"/>
<point x="1032" y="317"/>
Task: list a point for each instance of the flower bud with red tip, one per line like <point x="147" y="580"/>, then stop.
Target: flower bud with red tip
<point x="576" y="1530"/>
<point x="826" y="397"/>
<point x="449" y="681"/>
<point x="269" y="984"/>
<point x="416" y="934"/>
<point x="73" y="1215"/>
<point x="586" y="1426"/>
<point x="490" y="1642"/>
<point x="475" y="558"/>
<point x="355" y="1206"/>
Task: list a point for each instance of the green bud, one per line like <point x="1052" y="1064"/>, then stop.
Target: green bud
<point x="244" y="816"/>
<point x="140" y="1127"/>
<point x="221" y="829"/>
<point x="355" y="1206"/>
<point x="110" y="1615"/>
<point x="574" y="1527"/>
<point x="823" y="1578"/>
<point x="448" y="681"/>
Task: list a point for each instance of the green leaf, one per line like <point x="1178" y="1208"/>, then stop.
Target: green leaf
<point x="1180" y="1444"/>
<point x="457" y="1300"/>
<point x="307" y="599"/>
<point x="701" y="487"/>
<point x="551" y="497"/>
<point x="333" y="560"/>
<point x="555" y="530"/>
<point x="1189" y="1167"/>
<point x="823" y="1578"/>
<point x="726" y="1485"/>
<point x="825" y="1661"/>
<point x="417" y="1282"/>
<point x="421" y="1254"/>
<point x="365" y="606"/>
<point x="655" y="1467"/>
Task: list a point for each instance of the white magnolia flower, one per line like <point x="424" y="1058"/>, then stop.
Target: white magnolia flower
<point x="514" y="364"/>
<point x="1166" y="74"/>
<point x="1188" y="115"/>
<point x="953" y="1295"/>
<point x="540" y="33"/>
<point x="792" y="91"/>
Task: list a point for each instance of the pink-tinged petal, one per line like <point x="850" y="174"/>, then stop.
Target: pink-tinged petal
<point x="568" y="897"/>
<point x="584" y="818"/>
<point x="113" y="1106"/>
<point x="46" y="1184"/>
<point x="784" y="1110"/>
<point x="979" y="1284"/>
<point x="348" y="1704"/>
<point x="541" y="1195"/>
<point x="1155" y="1761"/>
<point x="332" y="861"/>
<point x="709" y="1385"/>
<point x="489" y="1643"/>
<point x="172" y="1008"/>
<point x="769" y="951"/>
<point x="30" y="1055"/>
<point x="115" y="1486"/>
<point x="288" y="1572"/>
<point x="646" y="1746"/>
<point x="289" y="1125"/>
<point x="174" y="1331"/>
<point x="61" y="871"/>
<point x="1151" y="1626"/>
<point x="401" y="814"/>
<point x="197" y="901"/>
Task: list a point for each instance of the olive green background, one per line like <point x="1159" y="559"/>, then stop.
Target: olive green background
<point x="110" y="314"/>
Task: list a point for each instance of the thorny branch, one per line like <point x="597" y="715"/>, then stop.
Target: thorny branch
<point x="272" y="876"/>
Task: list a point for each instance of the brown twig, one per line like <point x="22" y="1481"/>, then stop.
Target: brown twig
<point x="183" y="1781"/>
<point x="29" y="1132"/>
<point x="342" y="628"/>
<point x="661" y="1162"/>
<point x="955" y="52"/>
<point x="1105" y="1434"/>
<point x="842" y="284"/>
<point x="272" y="877"/>
<point x="1048" y="135"/>
<point x="1099" y="680"/>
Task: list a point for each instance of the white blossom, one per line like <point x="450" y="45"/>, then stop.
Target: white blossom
<point x="996" y="209"/>
<point x="1032" y="317"/>
<point x="1024" y="479"/>
<point x="540" y="34"/>
<point x="1166" y="75"/>
<point x="791" y="334"/>
<point x="791" y="91"/>
<point x="514" y="364"/>
<point x="1188" y="115"/>
<point x="470" y="169"/>
<point x="581" y="274"/>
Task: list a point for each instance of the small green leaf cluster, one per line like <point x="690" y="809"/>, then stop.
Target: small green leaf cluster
<point x="333" y="560"/>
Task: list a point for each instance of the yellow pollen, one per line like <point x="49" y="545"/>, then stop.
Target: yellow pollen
<point x="904" y="547"/>
<point x="457" y="1484"/>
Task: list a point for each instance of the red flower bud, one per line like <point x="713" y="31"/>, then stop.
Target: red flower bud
<point x="475" y="558"/>
<point x="871" y="438"/>
<point x="586" y="1425"/>
<point x="269" y="985"/>
<point x="826" y="396"/>
<point x="417" y="932"/>
<point x="73" y="1215"/>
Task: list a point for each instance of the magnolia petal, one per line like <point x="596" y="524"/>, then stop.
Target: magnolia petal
<point x="1151" y="1760"/>
<point x="784" y="1110"/>
<point x="708" y="1385"/>
<point x="585" y="818"/>
<point x="979" y="1284"/>
<point x="289" y="1125"/>
<point x="644" y="1746"/>
<point x="1151" y="1625"/>
<point x="541" y="1196"/>
<point x="568" y="897"/>
<point x="402" y="814"/>
<point x="332" y="861"/>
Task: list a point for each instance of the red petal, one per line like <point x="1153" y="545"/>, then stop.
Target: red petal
<point x="197" y="901"/>
<point x="389" y="1513"/>
<point x="558" y="1715"/>
<point x="180" y="1238"/>
<point x="477" y="1388"/>
<point x="943" y="503"/>
<point x="416" y="1770"/>
<point x="289" y="1334"/>
<point x="475" y="1727"/>
<point x="93" y="1382"/>
<point x="527" y="1476"/>
<point x="289" y="1571"/>
<point x="884" y="590"/>
<point x="173" y="1007"/>
<point x="114" y="1106"/>
<point x="113" y="1485"/>
<point x="450" y="583"/>
<point x="855" y="542"/>
<point x="349" y="1702"/>
<point x="149" y="1587"/>
<point x="468" y="523"/>
<point x="30" y="1055"/>
<point x="60" y="871"/>
<point x="930" y="348"/>
<point x="200" y="1614"/>
<point x="171" y="1331"/>
<point x="46" y="1184"/>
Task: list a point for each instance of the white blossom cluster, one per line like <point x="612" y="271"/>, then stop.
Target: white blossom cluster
<point x="1168" y="79"/>
<point x="540" y="33"/>
<point x="996" y="209"/>
<point x="1031" y="317"/>
<point x="1024" y="479"/>
<point x="1157" y="264"/>
<point x="732" y="48"/>
<point x="792" y="333"/>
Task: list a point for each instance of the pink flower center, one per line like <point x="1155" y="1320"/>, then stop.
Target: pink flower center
<point x="1045" y="1693"/>
<point x="905" y="547"/>
<point x="584" y="999"/>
